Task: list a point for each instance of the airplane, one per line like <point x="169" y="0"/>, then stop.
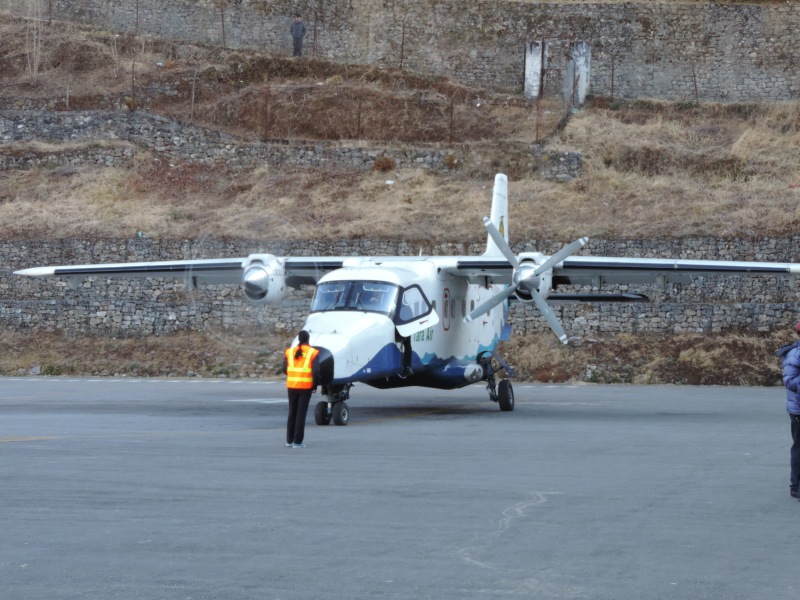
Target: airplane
<point x="429" y="321"/>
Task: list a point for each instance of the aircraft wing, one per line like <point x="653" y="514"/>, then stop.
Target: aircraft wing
<point x="598" y="270"/>
<point x="298" y="270"/>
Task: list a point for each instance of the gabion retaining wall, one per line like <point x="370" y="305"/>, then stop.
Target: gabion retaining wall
<point x="111" y="138"/>
<point x="143" y="307"/>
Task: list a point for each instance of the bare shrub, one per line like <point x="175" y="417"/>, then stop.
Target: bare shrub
<point x="34" y="29"/>
<point x="383" y="164"/>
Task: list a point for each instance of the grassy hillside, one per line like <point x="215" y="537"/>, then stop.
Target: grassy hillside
<point x="651" y="169"/>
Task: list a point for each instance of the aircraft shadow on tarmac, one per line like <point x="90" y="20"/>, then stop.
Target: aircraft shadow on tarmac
<point x="365" y="413"/>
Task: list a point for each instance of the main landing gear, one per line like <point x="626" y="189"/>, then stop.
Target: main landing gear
<point x="502" y="393"/>
<point x="335" y="407"/>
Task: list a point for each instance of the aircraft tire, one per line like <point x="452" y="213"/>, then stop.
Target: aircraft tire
<point x="505" y="395"/>
<point x="321" y="415"/>
<point x="341" y="414"/>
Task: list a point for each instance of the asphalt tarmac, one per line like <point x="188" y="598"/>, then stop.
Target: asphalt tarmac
<point x="183" y="489"/>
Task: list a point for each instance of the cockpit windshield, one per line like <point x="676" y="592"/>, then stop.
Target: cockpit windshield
<point x="371" y="296"/>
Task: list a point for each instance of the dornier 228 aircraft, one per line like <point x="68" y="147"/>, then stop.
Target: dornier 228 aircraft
<point x="431" y="321"/>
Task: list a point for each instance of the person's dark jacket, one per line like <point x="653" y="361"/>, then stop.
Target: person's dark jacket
<point x="298" y="30"/>
<point x="790" y="361"/>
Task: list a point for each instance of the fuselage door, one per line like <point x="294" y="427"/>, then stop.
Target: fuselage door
<point x="414" y="312"/>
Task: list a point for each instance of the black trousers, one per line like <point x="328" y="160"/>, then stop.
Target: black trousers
<point x="297" y="46"/>
<point x="794" y="454"/>
<point x="298" y="409"/>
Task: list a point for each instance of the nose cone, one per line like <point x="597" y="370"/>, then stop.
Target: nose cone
<point x="358" y="345"/>
<point x="525" y="280"/>
<point x="255" y="282"/>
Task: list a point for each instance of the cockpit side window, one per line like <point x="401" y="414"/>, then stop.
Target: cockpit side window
<point x="413" y="305"/>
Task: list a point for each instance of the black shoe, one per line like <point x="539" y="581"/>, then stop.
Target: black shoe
<point x="793" y="494"/>
<point x="406" y="372"/>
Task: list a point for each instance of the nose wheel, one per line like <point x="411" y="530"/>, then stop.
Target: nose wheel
<point x="334" y="408"/>
<point x="322" y="414"/>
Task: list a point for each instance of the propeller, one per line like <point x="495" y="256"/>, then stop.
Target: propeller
<point x="526" y="279"/>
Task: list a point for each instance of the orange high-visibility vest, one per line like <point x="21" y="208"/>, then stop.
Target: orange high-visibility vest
<point x="298" y="371"/>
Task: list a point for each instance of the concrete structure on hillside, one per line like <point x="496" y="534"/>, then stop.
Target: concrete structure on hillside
<point x="669" y="50"/>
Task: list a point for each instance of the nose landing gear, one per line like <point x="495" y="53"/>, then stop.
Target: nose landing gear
<point x="502" y="393"/>
<point x="335" y="407"/>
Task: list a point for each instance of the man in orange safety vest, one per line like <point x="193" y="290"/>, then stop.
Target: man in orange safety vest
<point x="302" y="376"/>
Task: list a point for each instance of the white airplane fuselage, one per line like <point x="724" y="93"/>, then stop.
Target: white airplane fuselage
<point x="364" y="344"/>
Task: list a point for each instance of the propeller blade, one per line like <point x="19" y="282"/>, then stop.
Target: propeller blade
<point x="566" y="251"/>
<point x="490" y="303"/>
<point x="550" y="316"/>
<point x="501" y="242"/>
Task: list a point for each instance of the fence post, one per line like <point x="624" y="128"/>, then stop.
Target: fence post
<point x="222" y="18"/>
<point x="613" y="57"/>
<point x="358" y="113"/>
<point x="452" y="119"/>
<point x="402" y="44"/>
<point x="266" y="115"/>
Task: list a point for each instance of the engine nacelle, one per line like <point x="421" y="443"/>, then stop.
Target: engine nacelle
<point x="263" y="279"/>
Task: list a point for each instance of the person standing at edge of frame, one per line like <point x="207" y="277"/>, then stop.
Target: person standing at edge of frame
<point x="301" y="367"/>
<point x="298" y="31"/>
<point x="790" y="363"/>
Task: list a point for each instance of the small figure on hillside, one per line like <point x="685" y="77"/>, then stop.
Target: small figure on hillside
<point x="298" y="31"/>
<point x="790" y="362"/>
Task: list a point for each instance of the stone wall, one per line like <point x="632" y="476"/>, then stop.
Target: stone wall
<point x="109" y="138"/>
<point x="145" y="307"/>
<point x="670" y="50"/>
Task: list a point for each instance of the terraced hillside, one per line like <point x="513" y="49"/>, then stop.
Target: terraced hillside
<point x="649" y="170"/>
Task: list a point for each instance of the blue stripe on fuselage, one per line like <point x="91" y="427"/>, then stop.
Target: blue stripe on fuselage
<point x="431" y="371"/>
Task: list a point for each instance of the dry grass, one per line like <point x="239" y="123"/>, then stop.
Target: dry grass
<point x="723" y="359"/>
<point x="671" y="170"/>
<point x="280" y="98"/>
<point x="651" y="169"/>
<point x="731" y="358"/>
<point x="185" y="201"/>
<point x="183" y="354"/>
